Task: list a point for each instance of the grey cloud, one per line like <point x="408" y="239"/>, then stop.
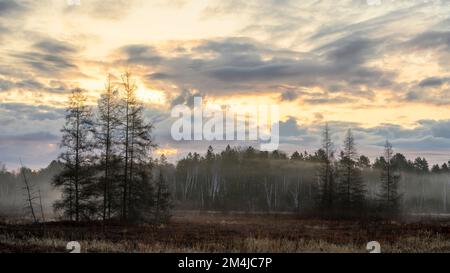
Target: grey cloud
<point x="30" y="84"/>
<point x="432" y="90"/>
<point x="31" y="112"/>
<point x="5" y="85"/>
<point x="331" y="100"/>
<point x="47" y="57"/>
<point x="36" y="148"/>
<point x="289" y="95"/>
<point x="186" y="97"/>
<point x="439" y="99"/>
<point x="54" y="47"/>
<point x="441" y="129"/>
<point x="350" y="44"/>
<point x="431" y="40"/>
<point x="46" y="63"/>
<point x="30" y="137"/>
<point x="290" y="128"/>
<point x="369" y="25"/>
<point x="433" y="82"/>
<point x="413" y="96"/>
<point x="33" y="85"/>
<point x="11" y="12"/>
<point x="10" y="7"/>
<point x="244" y="65"/>
<point x="393" y="131"/>
<point x="426" y="143"/>
<point x="158" y="76"/>
<point x="141" y="54"/>
<point x="230" y="46"/>
<point x="431" y="129"/>
<point x="350" y="50"/>
<point x="261" y="72"/>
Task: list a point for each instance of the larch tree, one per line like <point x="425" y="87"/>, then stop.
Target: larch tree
<point x="106" y="136"/>
<point x="326" y="176"/>
<point x="390" y="178"/>
<point x="76" y="179"/>
<point x="351" y="189"/>
<point x="137" y="144"/>
<point x="128" y="99"/>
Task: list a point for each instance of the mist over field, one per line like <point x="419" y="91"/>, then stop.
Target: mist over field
<point x="286" y="185"/>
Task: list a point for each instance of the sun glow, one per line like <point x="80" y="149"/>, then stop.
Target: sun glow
<point x="150" y="96"/>
<point x="166" y="151"/>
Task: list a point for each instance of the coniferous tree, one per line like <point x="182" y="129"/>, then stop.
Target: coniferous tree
<point x="421" y="165"/>
<point x="364" y="162"/>
<point x="445" y="168"/>
<point x="76" y="179"/>
<point x="162" y="198"/>
<point x="107" y="126"/>
<point x="296" y="156"/>
<point x="436" y="168"/>
<point x="137" y="144"/>
<point x="128" y="99"/>
<point x="327" y="185"/>
<point x="351" y="188"/>
<point x="390" y="178"/>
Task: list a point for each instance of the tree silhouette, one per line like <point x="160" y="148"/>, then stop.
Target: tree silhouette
<point x="76" y="179"/>
<point x="326" y="176"/>
<point x="351" y="188"/>
<point x="136" y="146"/>
<point x="390" y="178"/>
<point x="106" y="136"/>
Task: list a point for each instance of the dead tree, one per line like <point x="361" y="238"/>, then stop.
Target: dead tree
<point x="29" y="194"/>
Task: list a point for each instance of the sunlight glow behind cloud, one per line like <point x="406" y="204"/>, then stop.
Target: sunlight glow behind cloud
<point x="359" y="66"/>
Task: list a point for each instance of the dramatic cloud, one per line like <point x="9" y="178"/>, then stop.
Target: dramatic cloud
<point x="243" y="65"/>
<point x="381" y="70"/>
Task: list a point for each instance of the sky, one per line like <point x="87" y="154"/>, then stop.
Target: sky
<point x="382" y="69"/>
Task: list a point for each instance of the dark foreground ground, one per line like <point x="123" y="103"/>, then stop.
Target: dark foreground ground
<point x="194" y="232"/>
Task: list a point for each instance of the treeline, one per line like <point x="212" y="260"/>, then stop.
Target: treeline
<point x="108" y="172"/>
<point x="325" y="181"/>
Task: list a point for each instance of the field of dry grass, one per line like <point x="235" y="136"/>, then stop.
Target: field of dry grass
<point x="193" y="232"/>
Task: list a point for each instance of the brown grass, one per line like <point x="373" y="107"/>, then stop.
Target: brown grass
<point x="192" y="232"/>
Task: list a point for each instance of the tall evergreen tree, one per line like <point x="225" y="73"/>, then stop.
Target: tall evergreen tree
<point x="351" y="188"/>
<point x="162" y="198"/>
<point x="137" y="144"/>
<point x="327" y="185"/>
<point x="421" y="165"/>
<point x="76" y="179"/>
<point x="390" y="178"/>
<point x="445" y="168"/>
<point x="364" y="162"/>
<point x="107" y="125"/>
